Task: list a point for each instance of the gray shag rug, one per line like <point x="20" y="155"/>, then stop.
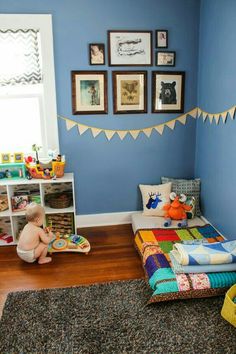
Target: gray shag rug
<point x="112" y="318"/>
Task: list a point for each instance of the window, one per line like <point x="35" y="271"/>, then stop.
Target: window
<point x="27" y="84"/>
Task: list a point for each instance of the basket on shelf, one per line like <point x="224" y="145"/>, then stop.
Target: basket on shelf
<point x="228" y="311"/>
<point x="3" y="202"/>
<point x="59" y="200"/>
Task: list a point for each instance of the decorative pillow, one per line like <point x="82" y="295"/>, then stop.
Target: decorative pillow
<point x="189" y="187"/>
<point x="154" y="198"/>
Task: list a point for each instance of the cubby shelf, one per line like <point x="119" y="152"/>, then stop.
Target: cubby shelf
<point x="10" y="219"/>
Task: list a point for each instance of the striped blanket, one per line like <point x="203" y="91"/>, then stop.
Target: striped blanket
<point x="154" y="247"/>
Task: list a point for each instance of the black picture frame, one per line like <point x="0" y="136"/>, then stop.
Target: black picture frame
<point x="168" y="91"/>
<point x="101" y="49"/>
<point x="159" y="44"/>
<point x="135" y="41"/>
<point x="166" y="58"/>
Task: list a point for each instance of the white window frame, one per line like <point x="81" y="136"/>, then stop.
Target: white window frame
<point x="49" y="111"/>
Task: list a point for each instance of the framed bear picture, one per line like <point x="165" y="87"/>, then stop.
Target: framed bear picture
<point x="168" y="91"/>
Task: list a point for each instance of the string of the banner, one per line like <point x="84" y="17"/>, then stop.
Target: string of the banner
<point x="194" y="113"/>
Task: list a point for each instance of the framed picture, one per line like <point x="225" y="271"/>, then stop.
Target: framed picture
<point x="18" y="157"/>
<point x="168" y="91"/>
<point x="97" y="54"/>
<point x="89" y="92"/>
<point x="161" y="39"/>
<point x="130" y="48"/>
<point x="6" y="158"/>
<point x="165" y="58"/>
<point x="129" y="92"/>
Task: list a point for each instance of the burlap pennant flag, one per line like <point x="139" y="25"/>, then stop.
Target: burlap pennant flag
<point x="95" y="131"/>
<point x="232" y="112"/>
<point x="70" y="124"/>
<point x="182" y="119"/>
<point x="217" y="117"/>
<point x="147" y="132"/>
<point x="193" y="113"/>
<point x="82" y="129"/>
<point x="109" y="133"/>
<point x="204" y="116"/>
<point x="160" y="128"/>
<point x="171" y="124"/>
<point x="134" y="133"/>
<point x="224" y="116"/>
<point x="210" y="116"/>
<point x="122" y="133"/>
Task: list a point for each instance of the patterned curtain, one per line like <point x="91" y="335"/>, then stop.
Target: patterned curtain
<point x="20" y="60"/>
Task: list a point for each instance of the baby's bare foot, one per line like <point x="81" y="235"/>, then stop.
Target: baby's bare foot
<point x="44" y="260"/>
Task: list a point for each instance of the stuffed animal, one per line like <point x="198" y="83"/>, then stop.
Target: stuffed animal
<point x="176" y="210"/>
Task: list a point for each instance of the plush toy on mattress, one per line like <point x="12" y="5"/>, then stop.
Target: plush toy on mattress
<point x="176" y="210"/>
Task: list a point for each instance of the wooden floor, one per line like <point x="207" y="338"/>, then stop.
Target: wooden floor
<point x="112" y="257"/>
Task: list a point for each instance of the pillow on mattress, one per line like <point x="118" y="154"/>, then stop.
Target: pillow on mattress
<point x="154" y="198"/>
<point x="189" y="187"/>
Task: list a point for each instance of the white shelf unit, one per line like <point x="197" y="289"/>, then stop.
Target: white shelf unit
<point x="11" y="221"/>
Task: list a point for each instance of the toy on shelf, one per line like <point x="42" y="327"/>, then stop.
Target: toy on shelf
<point x="51" y="169"/>
<point x="14" y="170"/>
<point x="176" y="210"/>
<point x="69" y="243"/>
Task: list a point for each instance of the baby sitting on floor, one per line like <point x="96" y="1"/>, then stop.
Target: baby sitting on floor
<point x="33" y="242"/>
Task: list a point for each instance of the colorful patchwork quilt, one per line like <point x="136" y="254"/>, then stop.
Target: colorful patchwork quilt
<point x="154" y="247"/>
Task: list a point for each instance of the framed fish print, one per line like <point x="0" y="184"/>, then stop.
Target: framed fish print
<point x="89" y="92"/>
<point x="130" y="48"/>
<point x="168" y="91"/>
<point x="129" y="92"/>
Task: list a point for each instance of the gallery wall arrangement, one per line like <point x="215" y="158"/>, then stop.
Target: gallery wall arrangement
<point x="129" y="87"/>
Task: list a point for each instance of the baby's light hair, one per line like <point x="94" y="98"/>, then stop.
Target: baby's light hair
<point x="33" y="211"/>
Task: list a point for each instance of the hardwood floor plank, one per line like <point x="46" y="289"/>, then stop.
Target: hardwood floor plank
<point x="112" y="257"/>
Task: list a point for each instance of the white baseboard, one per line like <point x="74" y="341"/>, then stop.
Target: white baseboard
<point x="104" y="219"/>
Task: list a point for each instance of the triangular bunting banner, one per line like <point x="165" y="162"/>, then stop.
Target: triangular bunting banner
<point x="70" y="124"/>
<point x="195" y="113"/>
<point x="182" y="119"/>
<point x="95" y="131"/>
<point x="224" y="116"/>
<point x="82" y="129"/>
<point x="109" y="133"/>
<point x="134" y="133"/>
<point x="160" y="128"/>
<point x="122" y="133"/>
<point x="231" y="112"/>
<point x="171" y="124"/>
<point x="147" y="132"/>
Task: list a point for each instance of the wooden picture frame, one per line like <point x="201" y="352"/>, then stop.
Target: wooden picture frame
<point x="130" y="48"/>
<point x="129" y="92"/>
<point x="168" y="91"/>
<point x="96" y="53"/>
<point x="89" y="92"/>
<point x="161" y="38"/>
<point x="166" y="58"/>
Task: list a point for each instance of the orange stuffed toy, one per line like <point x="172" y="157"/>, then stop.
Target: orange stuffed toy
<point x="176" y="210"/>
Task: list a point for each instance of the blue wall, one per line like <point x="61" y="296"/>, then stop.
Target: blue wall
<point x="108" y="173"/>
<point x="216" y="144"/>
